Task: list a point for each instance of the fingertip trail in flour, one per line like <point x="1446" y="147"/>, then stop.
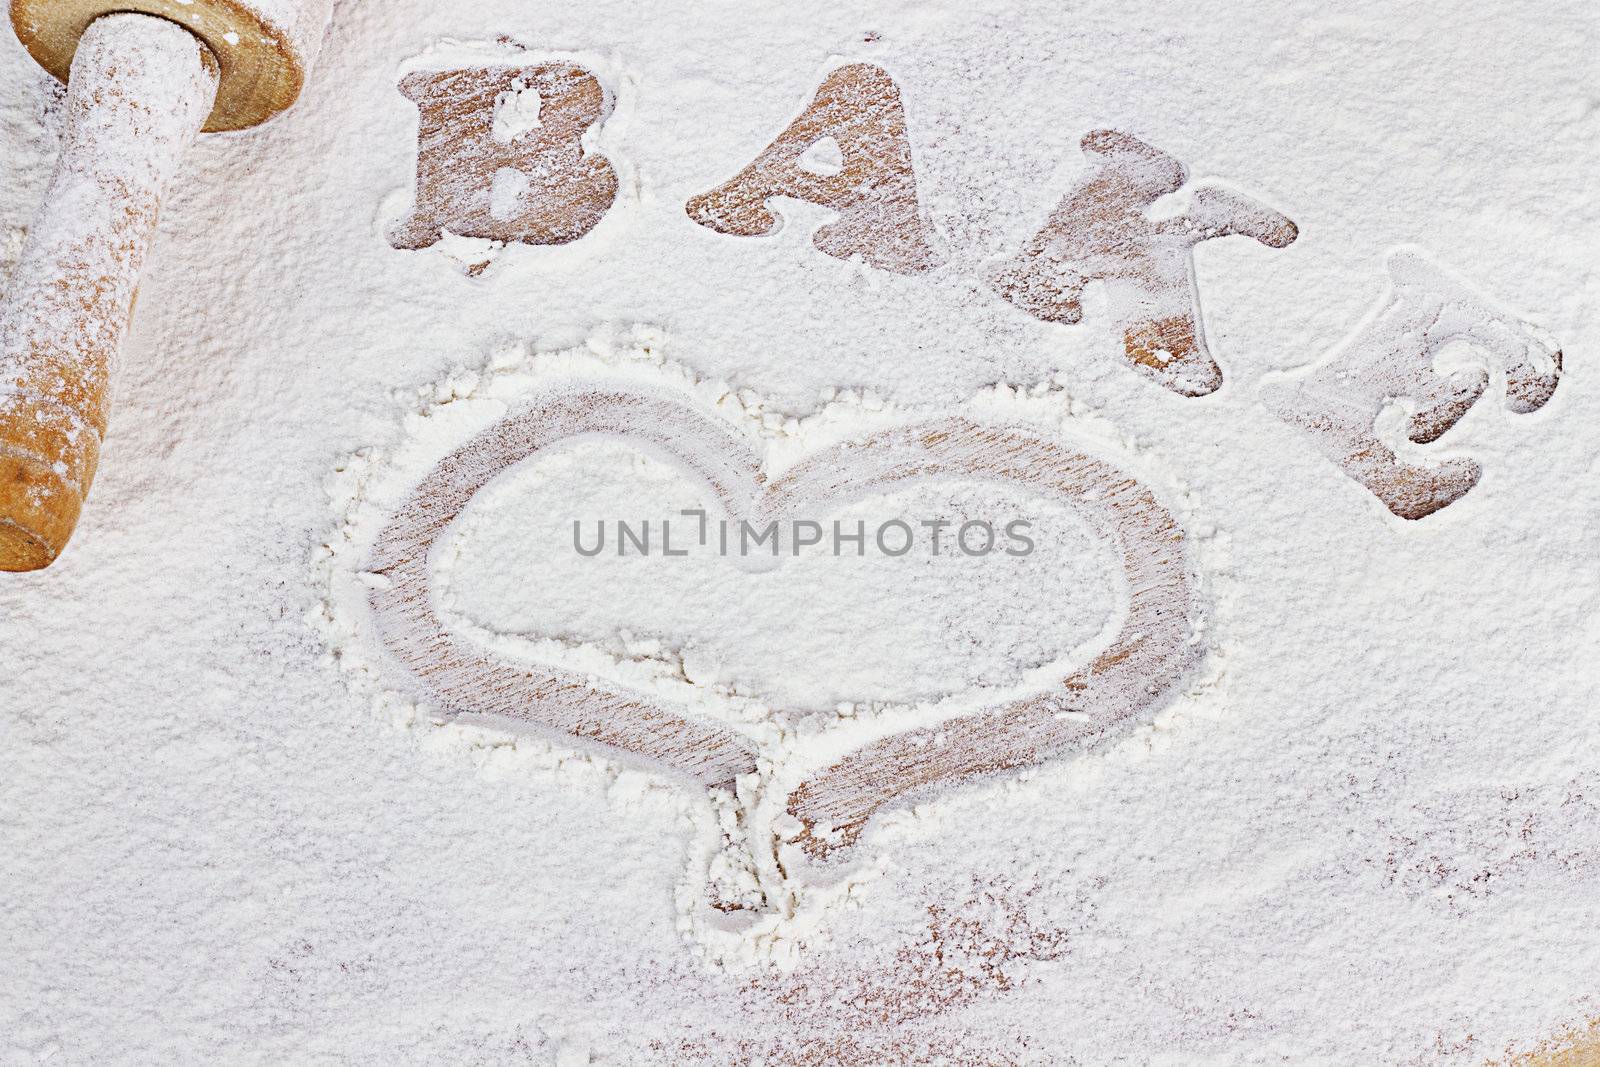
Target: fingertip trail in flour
<point x="1135" y="676"/>
<point x="468" y="680"/>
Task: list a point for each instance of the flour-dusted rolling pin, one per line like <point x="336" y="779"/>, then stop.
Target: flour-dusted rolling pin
<point x="143" y="77"/>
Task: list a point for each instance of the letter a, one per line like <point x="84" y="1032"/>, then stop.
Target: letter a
<point x="874" y="190"/>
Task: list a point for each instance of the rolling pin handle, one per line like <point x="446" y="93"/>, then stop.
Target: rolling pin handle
<point x="141" y="88"/>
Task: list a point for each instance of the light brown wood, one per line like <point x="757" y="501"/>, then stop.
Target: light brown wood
<point x="881" y="219"/>
<point x="263" y="49"/>
<point x="1575" y="1048"/>
<point x="569" y="189"/>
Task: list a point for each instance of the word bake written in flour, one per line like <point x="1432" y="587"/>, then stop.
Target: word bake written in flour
<point x="892" y="538"/>
<point x="501" y="158"/>
<point x="505" y="154"/>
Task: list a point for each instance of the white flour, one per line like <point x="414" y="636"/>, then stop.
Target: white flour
<point x="911" y="613"/>
<point x="1364" y="832"/>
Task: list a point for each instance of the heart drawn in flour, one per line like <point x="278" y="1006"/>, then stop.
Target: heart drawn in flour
<point x="1127" y="682"/>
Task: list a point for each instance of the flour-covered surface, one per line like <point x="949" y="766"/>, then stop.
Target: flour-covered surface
<point x="1362" y="826"/>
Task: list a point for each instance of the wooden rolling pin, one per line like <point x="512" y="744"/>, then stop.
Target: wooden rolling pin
<point x="143" y="78"/>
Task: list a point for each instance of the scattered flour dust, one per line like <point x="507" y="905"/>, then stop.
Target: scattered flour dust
<point x="1359" y="824"/>
<point x="808" y="651"/>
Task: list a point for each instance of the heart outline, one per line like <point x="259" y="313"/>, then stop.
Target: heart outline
<point x="1153" y="651"/>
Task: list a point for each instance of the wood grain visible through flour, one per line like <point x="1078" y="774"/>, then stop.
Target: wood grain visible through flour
<point x="872" y="186"/>
<point x="465" y="679"/>
<point x="895" y="1009"/>
<point x="1155" y="649"/>
<point x="1392" y="359"/>
<point x="1102" y="230"/>
<point x="1139" y="671"/>
<point x="501" y="156"/>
